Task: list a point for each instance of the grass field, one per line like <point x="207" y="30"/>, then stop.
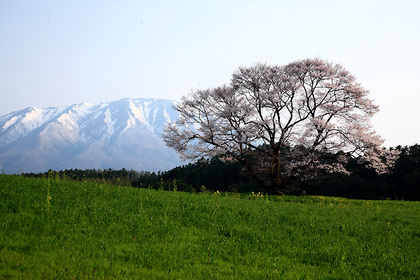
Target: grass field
<point x="53" y="229"/>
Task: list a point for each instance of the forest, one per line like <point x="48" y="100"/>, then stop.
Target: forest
<point x="214" y="174"/>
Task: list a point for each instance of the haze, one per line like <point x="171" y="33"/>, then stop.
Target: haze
<point x="56" y="53"/>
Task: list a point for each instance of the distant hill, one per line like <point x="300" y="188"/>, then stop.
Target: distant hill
<point x="121" y="134"/>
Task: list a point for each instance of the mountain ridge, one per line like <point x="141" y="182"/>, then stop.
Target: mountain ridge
<point x="126" y="133"/>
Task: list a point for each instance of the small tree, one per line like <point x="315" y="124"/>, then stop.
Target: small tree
<point x="280" y="122"/>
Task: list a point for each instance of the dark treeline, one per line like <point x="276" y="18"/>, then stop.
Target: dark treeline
<point x="402" y="183"/>
<point x="214" y="174"/>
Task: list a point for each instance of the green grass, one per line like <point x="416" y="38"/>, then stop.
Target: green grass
<point x="65" y="230"/>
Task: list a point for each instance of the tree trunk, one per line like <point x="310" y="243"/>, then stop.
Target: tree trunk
<point x="277" y="185"/>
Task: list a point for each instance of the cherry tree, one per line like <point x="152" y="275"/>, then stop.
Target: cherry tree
<point x="282" y="122"/>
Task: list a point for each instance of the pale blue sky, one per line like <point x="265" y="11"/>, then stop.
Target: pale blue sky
<point x="57" y="53"/>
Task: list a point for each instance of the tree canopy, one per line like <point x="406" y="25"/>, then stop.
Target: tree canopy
<point x="282" y="122"/>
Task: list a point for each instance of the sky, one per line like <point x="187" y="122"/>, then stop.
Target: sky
<point x="58" y="53"/>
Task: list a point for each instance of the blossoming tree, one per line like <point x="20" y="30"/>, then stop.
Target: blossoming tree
<point x="281" y="122"/>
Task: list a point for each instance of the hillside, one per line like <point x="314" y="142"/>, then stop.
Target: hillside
<point x="65" y="230"/>
<point x="120" y="134"/>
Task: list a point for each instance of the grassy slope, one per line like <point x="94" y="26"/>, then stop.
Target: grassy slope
<point x="62" y="230"/>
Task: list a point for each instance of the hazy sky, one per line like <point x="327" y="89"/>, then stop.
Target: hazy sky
<point x="57" y="53"/>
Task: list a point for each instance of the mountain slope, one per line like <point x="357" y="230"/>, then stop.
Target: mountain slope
<point x="120" y="134"/>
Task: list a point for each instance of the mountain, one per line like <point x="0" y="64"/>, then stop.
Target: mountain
<point x="120" y="134"/>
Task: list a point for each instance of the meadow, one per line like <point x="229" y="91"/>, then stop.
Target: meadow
<point x="52" y="229"/>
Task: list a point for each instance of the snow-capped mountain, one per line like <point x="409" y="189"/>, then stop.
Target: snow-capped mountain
<point x="120" y="134"/>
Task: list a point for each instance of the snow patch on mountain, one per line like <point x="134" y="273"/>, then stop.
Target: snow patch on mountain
<point x="122" y="134"/>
